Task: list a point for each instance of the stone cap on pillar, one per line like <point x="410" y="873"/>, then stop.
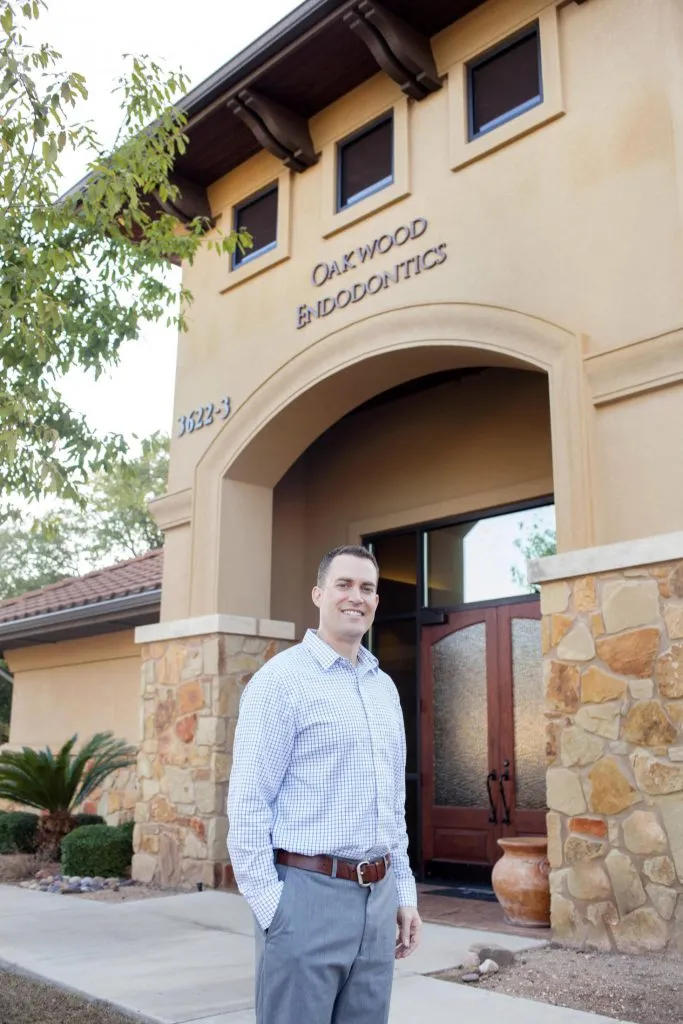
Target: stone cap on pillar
<point x="627" y="554"/>
<point x="204" y="625"/>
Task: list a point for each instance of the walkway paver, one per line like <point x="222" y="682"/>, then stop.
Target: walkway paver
<point x="189" y="958"/>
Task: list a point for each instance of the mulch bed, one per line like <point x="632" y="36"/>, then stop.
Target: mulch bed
<point x="25" y="1001"/>
<point x="637" y="989"/>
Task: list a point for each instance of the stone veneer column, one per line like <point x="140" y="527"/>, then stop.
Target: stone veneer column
<point x="613" y="666"/>
<point x="193" y="675"/>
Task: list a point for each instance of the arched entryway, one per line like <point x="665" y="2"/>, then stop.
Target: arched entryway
<point x="416" y="424"/>
<point x="230" y="561"/>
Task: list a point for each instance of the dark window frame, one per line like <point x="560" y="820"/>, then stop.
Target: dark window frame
<point x="382" y="183"/>
<point x="240" y="259"/>
<point x="529" y="31"/>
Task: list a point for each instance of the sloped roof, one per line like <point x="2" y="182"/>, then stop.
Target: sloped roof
<point x="135" y="576"/>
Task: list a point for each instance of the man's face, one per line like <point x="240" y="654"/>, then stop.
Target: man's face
<point x="348" y="598"/>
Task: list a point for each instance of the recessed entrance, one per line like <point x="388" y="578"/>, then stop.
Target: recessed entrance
<point x="460" y="635"/>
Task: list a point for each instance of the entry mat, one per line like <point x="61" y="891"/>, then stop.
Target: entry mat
<point x="466" y="892"/>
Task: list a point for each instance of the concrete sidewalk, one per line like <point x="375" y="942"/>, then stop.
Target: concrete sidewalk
<point x="189" y="958"/>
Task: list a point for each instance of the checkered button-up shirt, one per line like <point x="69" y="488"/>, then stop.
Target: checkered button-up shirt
<point x="318" y="768"/>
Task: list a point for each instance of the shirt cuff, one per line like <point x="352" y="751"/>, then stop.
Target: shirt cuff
<point x="406" y="891"/>
<point x="265" y="904"/>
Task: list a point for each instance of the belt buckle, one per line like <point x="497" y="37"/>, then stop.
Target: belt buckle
<point x="359" y="873"/>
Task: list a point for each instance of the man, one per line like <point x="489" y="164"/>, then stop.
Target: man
<point x="318" y="838"/>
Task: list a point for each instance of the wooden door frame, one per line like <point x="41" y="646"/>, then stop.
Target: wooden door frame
<point x="497" y="617"/>
<point x="456" y="620"/>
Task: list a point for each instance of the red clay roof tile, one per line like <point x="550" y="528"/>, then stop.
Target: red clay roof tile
<point x="135" y="576"/>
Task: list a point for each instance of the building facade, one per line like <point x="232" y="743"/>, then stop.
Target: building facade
<point x="458" y="337"/>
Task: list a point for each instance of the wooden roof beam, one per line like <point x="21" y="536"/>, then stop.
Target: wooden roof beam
<point x="282" y="132"/>
<point x="192" y="201"/>
<point x="402" y="52"/>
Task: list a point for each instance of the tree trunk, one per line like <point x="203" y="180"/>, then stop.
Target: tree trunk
<point x="51" y="830"/>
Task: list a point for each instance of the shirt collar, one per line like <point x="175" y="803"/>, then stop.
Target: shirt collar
<point x="326" y="656"/>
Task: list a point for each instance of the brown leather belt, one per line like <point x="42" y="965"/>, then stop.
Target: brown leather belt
<point x="365" y="872"/>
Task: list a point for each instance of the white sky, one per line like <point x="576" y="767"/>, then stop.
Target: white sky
<point x="92" y="37"/>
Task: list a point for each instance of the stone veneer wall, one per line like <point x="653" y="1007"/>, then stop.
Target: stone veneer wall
<point x="191" y="689"/>
<point x="613" y="667"/>
<point x="115" y="800"/>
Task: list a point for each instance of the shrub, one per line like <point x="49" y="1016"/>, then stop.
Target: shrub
<point x="97" y="850"/>
<point x="88" y="819"/>
<point x="18" y="832"/>
<point x="56" y="783"/>
<point x="126" y="828"/>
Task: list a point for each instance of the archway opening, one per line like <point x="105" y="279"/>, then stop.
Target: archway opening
<point x="448" y="476"/>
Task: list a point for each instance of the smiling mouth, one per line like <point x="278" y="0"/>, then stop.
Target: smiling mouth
<point x="353" y="613"/>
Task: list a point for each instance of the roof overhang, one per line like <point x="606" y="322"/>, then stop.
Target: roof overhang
<point x="265" y="96"/>
<point x="99" y="617"/>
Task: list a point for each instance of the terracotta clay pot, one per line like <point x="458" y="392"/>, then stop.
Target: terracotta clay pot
<point x="520" y="881"/>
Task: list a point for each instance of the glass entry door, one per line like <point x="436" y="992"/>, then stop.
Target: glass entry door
<point x="483" y="738"/>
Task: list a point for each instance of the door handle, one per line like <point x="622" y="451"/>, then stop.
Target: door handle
<point x="504" y="777"/>
<point x="491" y="777"/>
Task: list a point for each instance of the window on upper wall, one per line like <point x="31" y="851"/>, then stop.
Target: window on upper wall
<point x="365" y="162"/>
<point x="258" y="216"/>
<point x="505" y="82"/>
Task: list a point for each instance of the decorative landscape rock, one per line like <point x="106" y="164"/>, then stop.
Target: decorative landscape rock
<point x="45" y="882"/>
<point x="502" y="957"/>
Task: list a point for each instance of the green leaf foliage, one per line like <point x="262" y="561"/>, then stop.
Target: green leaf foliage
<point x="82" y="272"/>
<point x="112" y="524"/>
<point x="58" y="782"/>
<point x="18" y="832"/>
<point x="97" y="850"/>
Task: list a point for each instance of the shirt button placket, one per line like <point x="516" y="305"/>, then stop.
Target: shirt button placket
<point x="371" y="734"/>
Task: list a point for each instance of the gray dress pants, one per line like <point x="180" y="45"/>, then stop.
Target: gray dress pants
<point x="328" y="955"/>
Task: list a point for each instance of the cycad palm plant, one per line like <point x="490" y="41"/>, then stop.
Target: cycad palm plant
<point x="57" y="783"/>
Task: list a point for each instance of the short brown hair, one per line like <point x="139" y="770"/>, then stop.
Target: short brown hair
<point x="346" y="549"/>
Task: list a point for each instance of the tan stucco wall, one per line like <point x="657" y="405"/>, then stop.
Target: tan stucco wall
<point x="466" y="445"/>
<point x="565" y="252"/>
<point x="77" y="686"/>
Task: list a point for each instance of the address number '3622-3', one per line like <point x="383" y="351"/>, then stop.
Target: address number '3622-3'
<point x="204" y="416"/>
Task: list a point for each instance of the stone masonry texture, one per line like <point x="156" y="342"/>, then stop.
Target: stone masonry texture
<point x="191" y="690"/>
<point x="613" y="671"/>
